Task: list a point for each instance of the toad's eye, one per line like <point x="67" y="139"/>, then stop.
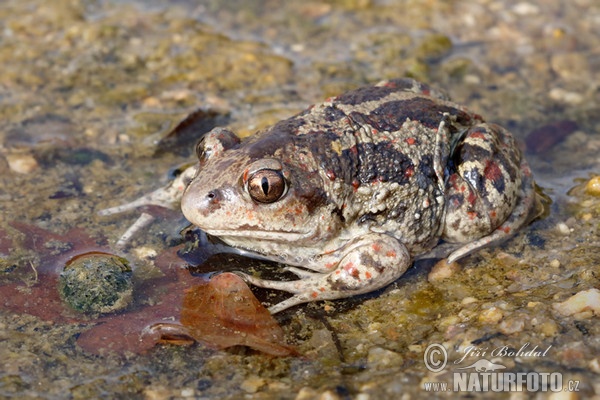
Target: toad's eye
<point x="266" y="185"/>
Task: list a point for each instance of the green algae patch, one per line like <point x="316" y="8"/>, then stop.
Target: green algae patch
<point x="96" y="283"/>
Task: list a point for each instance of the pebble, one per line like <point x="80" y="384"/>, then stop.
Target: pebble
<point x="592" y="187"/>
<point x="583" y="301"/>
<point x="562" y="228"/>
<point x="442" y="270"/>
<point x="187" y="392"/>
<point x="252" y="384"/>
<point x="382" y="358"/>
<point x="22" y="163"/>
<point x="468" y="300"/>
<point x="512" y="325"/>
<point x="525" y="8"/>
<point x="548" y="328"/>
<point x="492" y="315"/>
<point x="565" y="96"/>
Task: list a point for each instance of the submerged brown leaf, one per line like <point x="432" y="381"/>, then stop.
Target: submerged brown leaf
<point x="225" y="313"/>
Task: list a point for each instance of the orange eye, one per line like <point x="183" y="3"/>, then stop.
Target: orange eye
<point x="266" y="186"/>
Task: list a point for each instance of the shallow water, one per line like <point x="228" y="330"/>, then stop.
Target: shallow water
<point x="88" y="88"/>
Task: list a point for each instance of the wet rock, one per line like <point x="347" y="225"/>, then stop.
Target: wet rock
<point x="545" y="137"/>
<point x="585" y="300"/>
<point x="252" y="384"/>
<point x="96" y="283"/>
<point x="182" y="138"/>
<point x="566" y="96"/>
<point x="382" y="358"/>
<point x="592" y="187"/>
<point x="22" y="163"/>
<point x="492" y="315"/>
<point x="442" y="270"/>
<point x="512" y="325"/>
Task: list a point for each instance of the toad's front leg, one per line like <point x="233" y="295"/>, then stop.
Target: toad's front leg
<point x="365" y="264"/>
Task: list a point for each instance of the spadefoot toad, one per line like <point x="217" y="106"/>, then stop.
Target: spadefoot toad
<point x="350" y="191"/>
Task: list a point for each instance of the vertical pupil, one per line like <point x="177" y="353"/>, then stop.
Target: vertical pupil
<point x="264" y="183"/>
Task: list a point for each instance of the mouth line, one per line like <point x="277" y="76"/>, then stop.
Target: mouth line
<point x="258" y="234"/>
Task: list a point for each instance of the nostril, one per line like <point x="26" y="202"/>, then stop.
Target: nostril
<point x="212" y="196"/>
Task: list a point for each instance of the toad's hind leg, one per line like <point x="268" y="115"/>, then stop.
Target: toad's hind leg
<point x="491" y="195"/>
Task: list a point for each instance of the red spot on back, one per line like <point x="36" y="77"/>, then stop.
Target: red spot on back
<point x="477" y="135"/>
<point x="409" y="172"/>
<point x="376" y="247"/>
<point x="410" y="141"/>
<point x="368" y="275"/>
<point x="391" y="253"/>
<point x="492" y="171"/>
<point x="330" y="174"/>
<point x="472" y="198"/>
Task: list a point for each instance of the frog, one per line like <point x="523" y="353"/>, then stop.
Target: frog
<point x="349" y="192"/>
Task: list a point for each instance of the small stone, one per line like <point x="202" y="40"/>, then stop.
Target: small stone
<point x="594" y="365"/>
<point x="383" y="358"/>
<point x="512" y="325"/>
<point x="187" y="392"/>
<point x="306" y="393"/>
<point x="492" y="315"/>
<point x="442" y="270"/>
<point x="555" y="263"/>
<point x="565" y="96"/>
<point x="592" y="187"/>
<point x="548" y="328"/>
<point x="525" y="8"/>
<point x="562" y="228"/>
<point x="468" y="300"/>
<point x="586" y="300"/>
<point x="252" y="384"/>
<point x="22" y="163"/>
<point x="145" y="253"/>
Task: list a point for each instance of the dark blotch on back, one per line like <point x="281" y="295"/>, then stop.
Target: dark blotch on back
<point x="381" y="161"/>
<point x="277" y="137"/>
<point x="364" y="94"/>
<point x="425" y="173"/>
<point x="343" y="167"/>
<point x="391" y="115"/>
